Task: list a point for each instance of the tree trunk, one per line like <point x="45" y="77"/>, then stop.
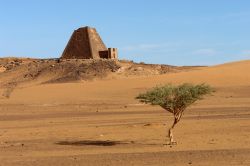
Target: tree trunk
<point x="177" y="118"/>
<point x="171" y="136"/>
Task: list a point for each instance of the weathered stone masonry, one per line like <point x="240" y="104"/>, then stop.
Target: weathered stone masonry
<point x="85" y="43"/>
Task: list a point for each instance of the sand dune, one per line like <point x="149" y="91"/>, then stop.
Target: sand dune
<point x="227" y="75"/>
<point x="100" y="123"/>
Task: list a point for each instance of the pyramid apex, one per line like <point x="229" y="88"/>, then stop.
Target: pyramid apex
<point x="86" y="27"/>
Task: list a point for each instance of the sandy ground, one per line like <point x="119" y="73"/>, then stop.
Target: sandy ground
<point x="100" y="122"/>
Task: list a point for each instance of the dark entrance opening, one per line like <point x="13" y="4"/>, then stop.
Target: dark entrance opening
<point x="104" y="54"/>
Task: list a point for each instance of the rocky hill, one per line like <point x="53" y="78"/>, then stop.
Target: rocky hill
<point x="22" y="71"/>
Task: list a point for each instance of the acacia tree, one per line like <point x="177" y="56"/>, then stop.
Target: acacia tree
<point x="175" y="99"/>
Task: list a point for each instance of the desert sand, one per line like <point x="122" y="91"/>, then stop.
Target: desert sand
<point x="99" y="122"/>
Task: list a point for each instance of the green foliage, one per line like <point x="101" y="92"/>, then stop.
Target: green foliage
<point x="175" y="98"/>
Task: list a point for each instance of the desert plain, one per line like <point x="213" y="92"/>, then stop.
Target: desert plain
<point x="99" y="122"/>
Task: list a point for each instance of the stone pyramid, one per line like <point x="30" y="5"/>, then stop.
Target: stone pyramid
<point x="85" y="43"/>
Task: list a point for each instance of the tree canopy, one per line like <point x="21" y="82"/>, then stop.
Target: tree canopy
<point x="173" y="98"/>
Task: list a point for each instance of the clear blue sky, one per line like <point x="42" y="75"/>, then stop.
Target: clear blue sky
<point x="177" y="32"/>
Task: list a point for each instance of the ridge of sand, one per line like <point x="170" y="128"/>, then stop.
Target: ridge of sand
<point x="100" y="123"/>
<point x="227" y="75"/>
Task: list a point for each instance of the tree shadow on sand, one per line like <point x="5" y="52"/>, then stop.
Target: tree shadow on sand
<point x="91" y="143"/>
